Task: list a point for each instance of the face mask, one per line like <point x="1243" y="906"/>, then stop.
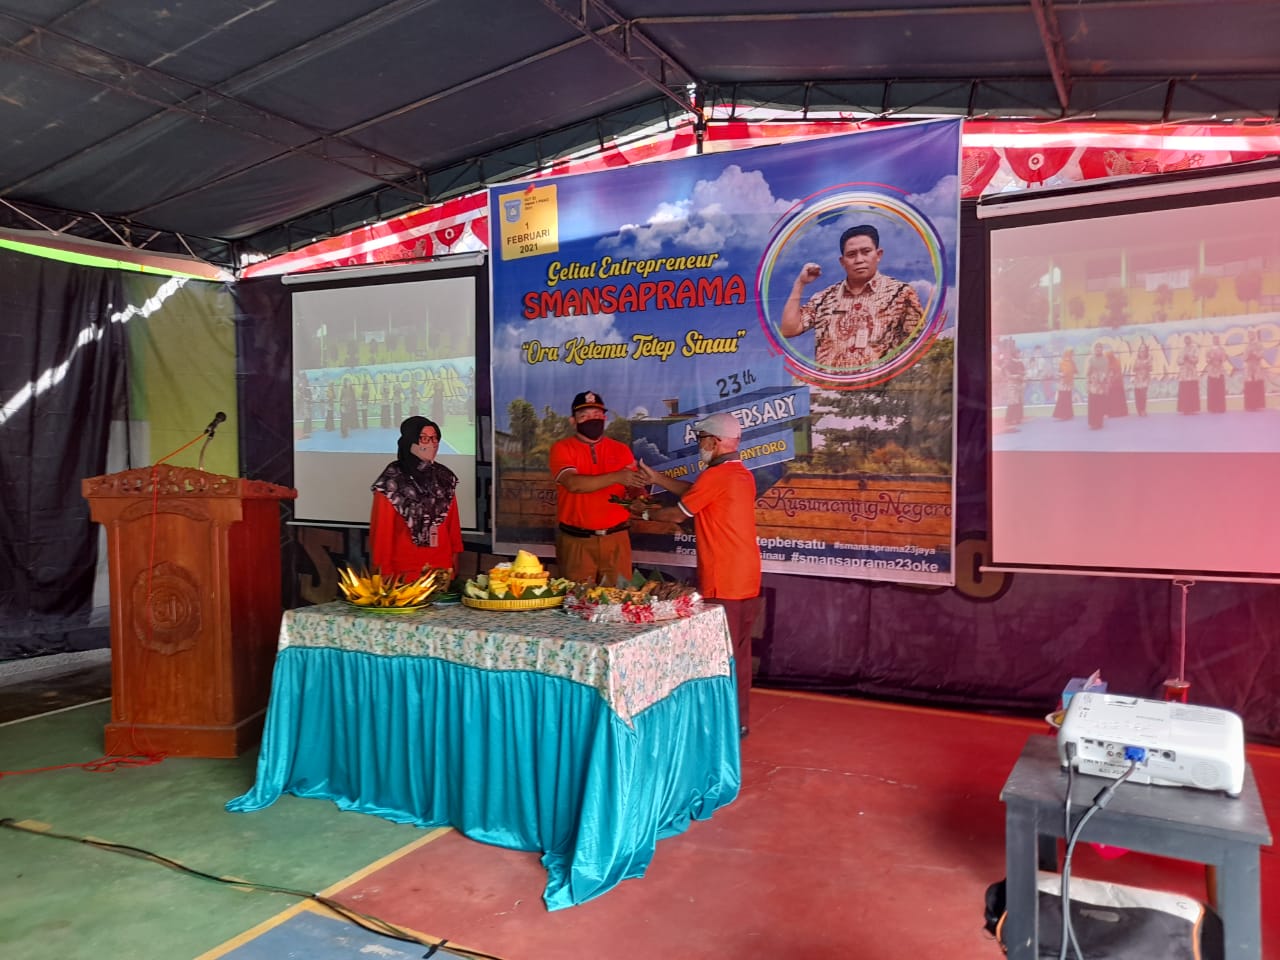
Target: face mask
<point x="425" y="454"/>
<point x="591" y="429"/>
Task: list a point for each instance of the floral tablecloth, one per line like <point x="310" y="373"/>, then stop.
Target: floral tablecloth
<point x="633" y="666"/>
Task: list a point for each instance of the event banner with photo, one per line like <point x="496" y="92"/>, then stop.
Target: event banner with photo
<point x="808" y="289"/>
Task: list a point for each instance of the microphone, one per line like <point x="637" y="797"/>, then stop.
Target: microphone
<point x="213" y="424"/>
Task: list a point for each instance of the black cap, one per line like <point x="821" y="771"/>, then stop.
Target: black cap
<point x="588" y="399"/>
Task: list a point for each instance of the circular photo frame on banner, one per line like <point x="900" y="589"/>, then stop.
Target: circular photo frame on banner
<point x="832" y="337"/>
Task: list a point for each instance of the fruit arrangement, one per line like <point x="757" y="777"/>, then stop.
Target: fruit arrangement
<point x="365" y="589"/>
<point x="524" y="578"/>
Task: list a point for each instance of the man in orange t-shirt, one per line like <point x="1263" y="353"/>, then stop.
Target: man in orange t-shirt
<point x="592" y="542"/>
<point x="722" y="502"/>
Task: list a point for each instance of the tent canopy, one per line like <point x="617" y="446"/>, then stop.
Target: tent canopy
<point x="226" y="128"/>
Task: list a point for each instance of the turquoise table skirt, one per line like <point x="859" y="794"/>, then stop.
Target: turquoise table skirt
<point x="513" y="758"/>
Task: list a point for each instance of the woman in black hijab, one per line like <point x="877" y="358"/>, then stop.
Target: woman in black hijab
<point x="414" y="525"/>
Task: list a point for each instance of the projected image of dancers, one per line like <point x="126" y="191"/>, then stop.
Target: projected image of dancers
<point x="1138" y="388"/>
<point x="368" y="357"/>
<point x="1169" y="346"/>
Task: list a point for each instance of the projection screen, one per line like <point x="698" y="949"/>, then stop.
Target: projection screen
<point x="1135" y="401"/>
<point x="367" y="353"/>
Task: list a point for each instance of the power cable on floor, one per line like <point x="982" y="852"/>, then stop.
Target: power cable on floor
<point x="363" y="920"/>
<point x="101" y="765"/>
<point x="1072" y="836"/>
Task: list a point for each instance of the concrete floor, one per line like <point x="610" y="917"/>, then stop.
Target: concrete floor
<point x="43" y="684"/>
<point x="77" y="902"/>
<point x="863" y="830"/>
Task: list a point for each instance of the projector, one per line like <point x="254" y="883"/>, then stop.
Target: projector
<point x="1172" y="744"/>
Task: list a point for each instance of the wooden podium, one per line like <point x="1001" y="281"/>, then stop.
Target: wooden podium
<point x="194" y="563"/>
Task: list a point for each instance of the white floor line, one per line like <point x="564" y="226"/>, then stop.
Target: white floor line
<point x="50" y="713"/>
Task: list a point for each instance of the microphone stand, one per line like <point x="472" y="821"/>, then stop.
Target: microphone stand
<point x="207" y="433"/>
<point x="195" y="439"/>
<point x="200" y="461"/>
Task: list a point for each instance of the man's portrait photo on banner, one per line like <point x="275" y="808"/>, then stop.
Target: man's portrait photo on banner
<point x="850" y="288"/>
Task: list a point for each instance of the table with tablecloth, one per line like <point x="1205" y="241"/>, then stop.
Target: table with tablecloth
<point x="532" y="730"/>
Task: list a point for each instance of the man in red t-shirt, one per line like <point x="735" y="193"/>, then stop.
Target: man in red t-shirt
<point x="592" y="543"/>
<point x="722" y="502"/>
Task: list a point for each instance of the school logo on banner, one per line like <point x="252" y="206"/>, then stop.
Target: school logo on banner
<point x="530" y="223"/>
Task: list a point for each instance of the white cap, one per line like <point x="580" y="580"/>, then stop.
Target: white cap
<point x="720" y="425"/>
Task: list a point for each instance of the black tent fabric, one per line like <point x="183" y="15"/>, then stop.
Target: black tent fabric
<point x="231" y="130"/>
<point x="62" y="372"/>
<point x="264" y="350"/>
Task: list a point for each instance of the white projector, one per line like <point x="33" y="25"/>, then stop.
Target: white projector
<point x="1173" y="744"/>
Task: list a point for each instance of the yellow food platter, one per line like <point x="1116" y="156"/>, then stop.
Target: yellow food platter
<point x="532" y="603"/>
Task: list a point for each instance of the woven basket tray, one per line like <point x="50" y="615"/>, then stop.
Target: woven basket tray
<point x="533" y="603"/>
<point x="412" y="608"/>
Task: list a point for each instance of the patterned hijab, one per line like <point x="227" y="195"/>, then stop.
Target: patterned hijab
<point x="420" y="491"/>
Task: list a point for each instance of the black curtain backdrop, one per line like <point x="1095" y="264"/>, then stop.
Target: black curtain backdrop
<point x="264" y="353"/>
<point x="264" y="391"/>
<point x="55" y="332"/>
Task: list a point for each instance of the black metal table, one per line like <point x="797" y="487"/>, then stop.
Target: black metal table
<point x="1180" y="822"/>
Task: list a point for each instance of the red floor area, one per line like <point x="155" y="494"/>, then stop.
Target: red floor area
<point x="863" y="830"/>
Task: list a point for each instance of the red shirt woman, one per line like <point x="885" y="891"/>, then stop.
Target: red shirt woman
<point x="414" y="523"/>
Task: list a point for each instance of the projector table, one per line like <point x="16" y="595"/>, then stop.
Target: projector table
<point x="1179" y="822"/>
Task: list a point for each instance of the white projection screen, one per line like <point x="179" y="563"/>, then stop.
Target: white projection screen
<point x="368" y="352"/>
<point x="1135" y="380"/>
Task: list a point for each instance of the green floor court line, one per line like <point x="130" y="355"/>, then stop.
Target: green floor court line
<point x="75" y="902"/>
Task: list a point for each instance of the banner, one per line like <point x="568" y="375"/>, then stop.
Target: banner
<point x="807" y="289"/>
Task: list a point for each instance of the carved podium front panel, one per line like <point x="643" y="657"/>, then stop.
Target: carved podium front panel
<point x="194" y="563"/>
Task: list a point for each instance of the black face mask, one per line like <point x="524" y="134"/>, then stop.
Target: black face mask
<point x="591" y="429"/>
